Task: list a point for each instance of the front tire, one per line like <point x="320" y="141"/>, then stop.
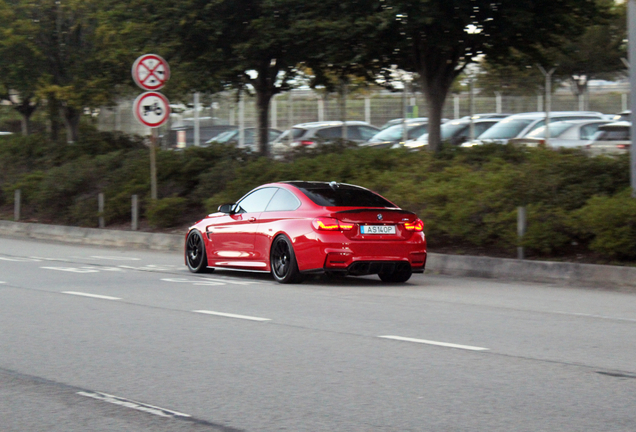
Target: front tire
<point x="195" y="255"/>
<point x="283" y="261"/>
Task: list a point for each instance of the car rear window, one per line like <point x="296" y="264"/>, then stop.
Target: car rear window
<point x="344" y="196"/>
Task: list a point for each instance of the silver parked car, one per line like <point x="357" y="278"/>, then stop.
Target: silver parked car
<point x="611" y="139"/>
<point x="563" y="134"/>
<point x="454" y="132"/>
<point x="395" y="134"/>
<point x="311" y="135"/>
<point x="519" y="125"/>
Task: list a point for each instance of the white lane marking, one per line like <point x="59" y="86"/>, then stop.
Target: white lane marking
<point x="128" y="403"/>
<point x="74" y="269"/>
<point x="19" y="259"/>
<point x="594" y="316"/>
<point x="228" y="315"/>
<point x="428" y="342"/>
<point x="114" y="258"/>
<point x="208" y="282"/>
<point x="91" y="295"/>
<point x="155" y="268"/>
<point x="1" y="282"/>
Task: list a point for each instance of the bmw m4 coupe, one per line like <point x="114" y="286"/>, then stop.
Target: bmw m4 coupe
<point x="291" y="229"/>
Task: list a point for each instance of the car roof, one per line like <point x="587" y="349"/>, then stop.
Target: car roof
<point x="618" y="124"/>
<point x="310" y="125"/>
<point x="318" y="184"/>
<point x="541" y="114"/>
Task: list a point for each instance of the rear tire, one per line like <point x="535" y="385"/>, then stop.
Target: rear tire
<point x="283" y="261"/>
<point x="195" y="255"/>
<point x="398" y="276"/>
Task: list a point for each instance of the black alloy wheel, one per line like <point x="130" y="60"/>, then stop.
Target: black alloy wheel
<point x="283" y="261"/>
<point x="195" y="253"/>
<point x="397" y="276"/>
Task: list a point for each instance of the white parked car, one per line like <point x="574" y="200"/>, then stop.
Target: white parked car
<point x="563" y="134"/>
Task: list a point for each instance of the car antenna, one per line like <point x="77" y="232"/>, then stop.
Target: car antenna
<point x="333" y="185"/>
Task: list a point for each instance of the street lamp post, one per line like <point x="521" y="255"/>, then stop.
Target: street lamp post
<point x="548" y="100"/>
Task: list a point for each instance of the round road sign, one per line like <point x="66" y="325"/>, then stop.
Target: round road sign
<point x="152" y="109"/>
<point x="150" y="72"/>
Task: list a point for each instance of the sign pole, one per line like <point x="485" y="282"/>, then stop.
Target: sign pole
<point x="631" y="27"/>
<point x="153" y="164"/>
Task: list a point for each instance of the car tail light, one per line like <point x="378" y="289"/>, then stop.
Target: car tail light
<point x="307" y="142"/>
<point x="541" y="143"/>
<point x="622" y="146"/>
<point x="417" y="225"/>
<point x="331" y="224"/>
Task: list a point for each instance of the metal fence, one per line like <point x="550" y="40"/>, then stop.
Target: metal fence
<point x="377" y="108"/>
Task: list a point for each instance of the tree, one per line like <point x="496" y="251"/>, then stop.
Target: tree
<point x="438" y="39"/>
<point x="64" y="51"/>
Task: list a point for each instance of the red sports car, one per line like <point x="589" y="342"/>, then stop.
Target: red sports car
<point x="296" y="228"/>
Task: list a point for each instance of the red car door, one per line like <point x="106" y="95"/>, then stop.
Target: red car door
<point x="231" y="237"/>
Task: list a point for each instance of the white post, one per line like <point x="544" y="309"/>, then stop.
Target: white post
<point x="539" y="103"/>
<point x="135" y="213"/>
<point x="321" y="108"/>
<point x="197" y="131"/>
<point x="522" y="222"/>
<point x="472" y="108"/>
<point x="367" y="109"/>
<point x="498" y="102"/>
<point x="241" y="125"/>
<point x="17" y="201"/>
<point x="456" y="106"/>
<point x="624" y="102"/>
<point x="274" y="113"/>
<point x="100" y="209"/>
<point x="290" y="116"/>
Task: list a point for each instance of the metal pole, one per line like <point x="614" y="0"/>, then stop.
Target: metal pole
<point x="548" y="101"/>
<point x="632" y="81"/>
<point x="367" y="109"/>
<point x="404" y="128"/>
<point x="17" y="201"/>
<point x="135" y="213"/>
<point x="153" y="164"/>
<point x="321" y="108"/>
<point x="472" y="108"/>
<point x="456" y="106"/>
<point x="274" y="113"/>
<point x="522" y="223"/>
<point x="197" y="130"/>
<point x="290" y="116"/>
<point x="498" y="102"/>
<point x="100" y="209"/>
<point x="241" y="140"/>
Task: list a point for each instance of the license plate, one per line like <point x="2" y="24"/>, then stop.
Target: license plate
<point x="377" y="229"/>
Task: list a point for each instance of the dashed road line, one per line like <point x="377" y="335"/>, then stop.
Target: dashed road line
<point x="128" y="403"/>
<point x="428" y="342"/>
<point x="228" y="315"/>
<point x="103" y="297"/>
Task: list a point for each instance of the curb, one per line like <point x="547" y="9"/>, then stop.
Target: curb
<point x="451" y="265"/>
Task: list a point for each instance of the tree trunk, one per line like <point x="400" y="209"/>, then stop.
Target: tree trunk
<point x="71" y="117"/>
<point x="53" y="126"/>
<point x="26" y="110"/>
<point x="263" y="99"/>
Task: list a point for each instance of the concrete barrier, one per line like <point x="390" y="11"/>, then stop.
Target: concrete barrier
<point x="453" y="265"/>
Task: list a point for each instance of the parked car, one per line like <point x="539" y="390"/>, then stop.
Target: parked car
<point x="6" y="133"/>
<point x="250" y="137"/>
<point x="519" y="125"/>
<point x="454" y="132"/>
<point x="395" y="134"/>
<point x="311" y="135"/>
<point x="487" y="116"/>
<point x="291" y="229"/>
<point x="396" y="121"/>
<point x="569" y="133"/>
<point x="611" y="139"/>
<point x="623" y="116"/>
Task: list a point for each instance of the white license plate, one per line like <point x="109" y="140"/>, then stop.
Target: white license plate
<point x="377" y="229"/>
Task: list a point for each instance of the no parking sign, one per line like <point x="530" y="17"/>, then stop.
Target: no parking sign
<point x="150" y="72"/>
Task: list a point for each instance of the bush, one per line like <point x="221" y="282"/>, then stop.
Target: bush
<point x="166" y="212"/>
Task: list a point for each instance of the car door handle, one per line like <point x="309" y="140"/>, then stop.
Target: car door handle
<point x="252" y="219"/>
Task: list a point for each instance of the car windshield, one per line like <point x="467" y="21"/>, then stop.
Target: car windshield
<point x="556" y="129"/>
<point x="295" y="133"/>
<point x="394" y="133"/>
<point x="344" y="196"/>
<point x="506" y="129"/>
<point x="223" y="137"/>
<point x="612" y="134"/>
<point x="449" y="129"/>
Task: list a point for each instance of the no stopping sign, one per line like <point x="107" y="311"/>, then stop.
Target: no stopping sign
<point x="152" y="109"/>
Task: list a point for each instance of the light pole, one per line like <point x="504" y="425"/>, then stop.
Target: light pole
<point x="548" y="100"/>
<point x="631" y="27"/>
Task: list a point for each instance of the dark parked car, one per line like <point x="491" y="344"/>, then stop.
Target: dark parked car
<point x="454" y="132"/>
<point x="395" y="134"/>
<point x="250" y="137"/>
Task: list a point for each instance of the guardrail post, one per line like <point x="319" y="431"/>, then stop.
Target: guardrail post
<point x="17" y="198"/>
<point x="522" y="223"/>
<point x="100" y="209"/>
<point x="135" y="213"/>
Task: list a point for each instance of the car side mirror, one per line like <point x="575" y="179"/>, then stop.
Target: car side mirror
<point x="226" y="208"/>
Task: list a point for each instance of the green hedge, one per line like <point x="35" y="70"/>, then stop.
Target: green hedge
<point x="467" y="197"/>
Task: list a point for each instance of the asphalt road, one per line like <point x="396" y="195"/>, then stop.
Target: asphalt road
<point x="97" y="339"/>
